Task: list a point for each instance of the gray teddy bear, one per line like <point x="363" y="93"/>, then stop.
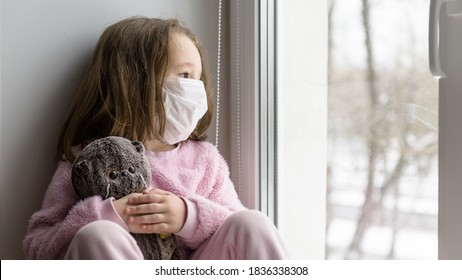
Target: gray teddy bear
<point x="115" y="167"/>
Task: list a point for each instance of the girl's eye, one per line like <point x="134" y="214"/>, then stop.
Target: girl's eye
<point x="184" y="75"/>
<point x="131" y="169"/>
<point x="113" y="175"/>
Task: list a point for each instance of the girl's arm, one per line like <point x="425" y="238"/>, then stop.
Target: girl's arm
<point x="52" y="228"/>
<point x="214" y="200"/>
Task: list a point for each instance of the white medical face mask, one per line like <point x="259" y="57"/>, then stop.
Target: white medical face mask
<point x="185" y="103"/>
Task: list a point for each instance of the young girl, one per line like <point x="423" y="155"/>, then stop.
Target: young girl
<point x="148" y="81"/>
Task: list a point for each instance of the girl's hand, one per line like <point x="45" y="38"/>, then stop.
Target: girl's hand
<point x="121" y="204"/>
<point x="155" y="211"/>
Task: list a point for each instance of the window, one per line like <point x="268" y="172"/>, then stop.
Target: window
<point x="383" y="136"/>
<point x="355" y="125"/>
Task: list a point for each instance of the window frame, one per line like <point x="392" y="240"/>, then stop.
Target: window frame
<point x="264" y="150"/>
<point x="450" y="136"/>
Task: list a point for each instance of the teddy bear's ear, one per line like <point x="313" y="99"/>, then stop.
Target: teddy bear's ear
<point x="138" y="146"/>
<point x="81" y="167"/>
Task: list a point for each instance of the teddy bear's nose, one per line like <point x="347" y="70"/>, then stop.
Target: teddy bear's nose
<point x="124" y="173"/>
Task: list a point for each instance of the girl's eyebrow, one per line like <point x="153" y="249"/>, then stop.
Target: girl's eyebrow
<point x="189" y="64"/>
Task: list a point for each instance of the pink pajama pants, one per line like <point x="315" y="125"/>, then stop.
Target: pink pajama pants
<point x="245" y="235"/>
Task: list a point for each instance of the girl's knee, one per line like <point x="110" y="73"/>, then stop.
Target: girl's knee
<point x="103" y="240"/>
<point x="252" y="235"/>
<point x="96" y="232"/>
<point x="250" y="216"/>
<point x="249" y="220"/>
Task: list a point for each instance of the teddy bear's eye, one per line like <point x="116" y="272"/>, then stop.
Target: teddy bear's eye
<point x="113" y="175"/>
<point x="131" y="169"/>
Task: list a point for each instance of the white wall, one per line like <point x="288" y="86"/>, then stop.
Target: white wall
<point x="44" y="47"/>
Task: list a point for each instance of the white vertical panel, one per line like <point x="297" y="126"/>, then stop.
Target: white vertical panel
<point x="302" y="125"/>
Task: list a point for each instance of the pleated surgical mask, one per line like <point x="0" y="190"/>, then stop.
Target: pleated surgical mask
<point x="185" y="103"/>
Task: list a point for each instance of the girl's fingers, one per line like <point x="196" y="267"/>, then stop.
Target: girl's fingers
<point x="151" y="208"/>
<point x="147" y="219"/>
<point x="157" y="228"/>
<point x="163" y="228"/>
<point x="147" y="198"/>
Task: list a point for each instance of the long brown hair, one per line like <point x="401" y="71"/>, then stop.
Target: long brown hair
<point x="121" y="92"/>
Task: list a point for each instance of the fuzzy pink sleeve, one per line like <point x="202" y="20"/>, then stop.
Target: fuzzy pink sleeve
<point x="214" y="200"/>
<point x="52" y="228"/>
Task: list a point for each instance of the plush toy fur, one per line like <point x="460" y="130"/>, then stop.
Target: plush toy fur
<point x="115" y="167"/>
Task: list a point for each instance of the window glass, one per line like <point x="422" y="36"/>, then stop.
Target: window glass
<point x="382" y="182"/>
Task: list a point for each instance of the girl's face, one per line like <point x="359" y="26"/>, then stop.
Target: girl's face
<point x="184" y="58"/>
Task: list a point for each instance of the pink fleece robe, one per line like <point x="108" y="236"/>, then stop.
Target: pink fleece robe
<point x="194" y="170"/>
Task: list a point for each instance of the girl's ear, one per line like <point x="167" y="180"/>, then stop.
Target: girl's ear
<point x="138" y="146"/>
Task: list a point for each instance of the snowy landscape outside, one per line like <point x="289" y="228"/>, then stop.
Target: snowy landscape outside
<point x="382" y="184"/>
